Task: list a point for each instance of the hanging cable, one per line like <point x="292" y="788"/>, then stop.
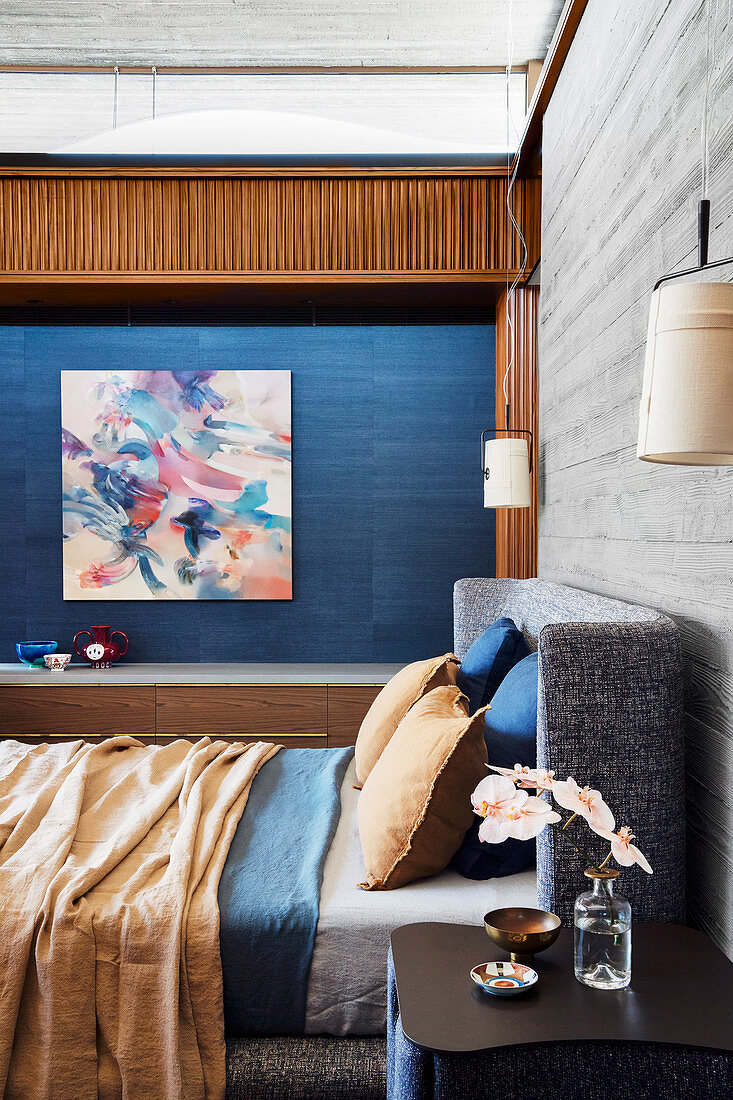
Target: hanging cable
<point x="115" y="98"/>
<point x="710" y="39"/>
<point x="711" y="99"/>
<point x="155" y="73"/>
<point x="511" y="220"/>
<point x="711" y="82"/>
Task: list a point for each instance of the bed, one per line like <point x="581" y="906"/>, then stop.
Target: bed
<point x="304" y="951"/>
<point x="610" y="710"/>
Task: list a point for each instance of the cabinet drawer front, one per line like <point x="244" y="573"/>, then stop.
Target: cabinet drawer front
<point x="287" y="742"/>
<point x="346" y="709"/>
<point x="267" y="712"/>
<point x="94" y="711"/>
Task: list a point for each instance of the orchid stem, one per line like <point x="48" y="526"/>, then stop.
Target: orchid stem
<point x="588" y="858"/>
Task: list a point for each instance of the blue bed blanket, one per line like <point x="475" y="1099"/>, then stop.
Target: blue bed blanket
<point x="270" y="888"/>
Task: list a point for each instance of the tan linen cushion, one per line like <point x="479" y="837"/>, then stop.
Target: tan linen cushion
<point x="393" y="703"/>
<point x="416" y="803"/>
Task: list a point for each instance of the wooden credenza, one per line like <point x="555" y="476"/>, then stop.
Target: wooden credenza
<point x="310" y="706"/>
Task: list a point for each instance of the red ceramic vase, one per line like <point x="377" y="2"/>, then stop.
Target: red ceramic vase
<point x="100" y="650"/>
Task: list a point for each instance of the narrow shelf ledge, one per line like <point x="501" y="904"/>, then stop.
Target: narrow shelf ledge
<point x="212" y="674"/>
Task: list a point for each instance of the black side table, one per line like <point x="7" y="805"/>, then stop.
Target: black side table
<point x="668" y="1035"/>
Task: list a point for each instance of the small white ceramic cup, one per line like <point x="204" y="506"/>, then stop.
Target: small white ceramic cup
<point x="57" y="662"/>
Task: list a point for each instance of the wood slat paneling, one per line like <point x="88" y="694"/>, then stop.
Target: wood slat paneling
<point x="516" y="528"/>
<point x="346" y="709"/>
<point x="261" y="712"/>
<point x="77" y="711"/>
<point x="66" y="223"/>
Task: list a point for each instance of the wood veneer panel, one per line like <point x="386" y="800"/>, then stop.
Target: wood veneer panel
<point x="77" y="711"/>
<point x="315" y="742"/>
<point x="56" y="738"/>
<point x="346" y="708"/>
<point x="262" y="712"/>
<point x="516" y="528"/>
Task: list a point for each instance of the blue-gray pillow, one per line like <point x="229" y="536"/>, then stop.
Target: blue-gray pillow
<point x="510" y="729"/>
<point x="490" y="658"/>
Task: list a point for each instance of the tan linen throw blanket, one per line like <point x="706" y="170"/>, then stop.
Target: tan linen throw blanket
<point x="110" y="859"/>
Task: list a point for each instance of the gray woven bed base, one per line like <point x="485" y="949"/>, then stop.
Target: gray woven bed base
<point x="315" y="1067"/>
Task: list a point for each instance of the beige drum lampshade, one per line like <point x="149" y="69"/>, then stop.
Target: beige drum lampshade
<point x="507" y="461"/>
<point x="686" y="412"/>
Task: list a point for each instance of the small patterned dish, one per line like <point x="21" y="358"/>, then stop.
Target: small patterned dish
<point x="504" y="979"/>
<point x="57" y="662"/>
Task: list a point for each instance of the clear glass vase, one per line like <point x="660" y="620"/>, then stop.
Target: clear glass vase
<point x="602" y="922"/>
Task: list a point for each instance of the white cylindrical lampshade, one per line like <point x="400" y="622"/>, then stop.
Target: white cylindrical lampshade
<point x="686" y="411"/>
<point x="507" y="485"/>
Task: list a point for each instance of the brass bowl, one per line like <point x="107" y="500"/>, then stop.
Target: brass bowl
<point x="522" y="932"/>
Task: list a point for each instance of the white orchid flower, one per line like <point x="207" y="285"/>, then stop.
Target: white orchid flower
<point x="585" y="802"/>
<point x="623" y="851"/>
<point x="508" y="812"/>
<point x="533" y="779"/>
<point x="491" y="800"/>
<point x="527" y="817"/>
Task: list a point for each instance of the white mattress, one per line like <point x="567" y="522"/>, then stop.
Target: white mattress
<point x="347" y="989"/>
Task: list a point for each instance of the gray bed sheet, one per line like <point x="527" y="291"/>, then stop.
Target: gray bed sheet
<point x="347" y="987"/>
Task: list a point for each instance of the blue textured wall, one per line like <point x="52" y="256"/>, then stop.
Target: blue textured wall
<point x="387" y="493"/>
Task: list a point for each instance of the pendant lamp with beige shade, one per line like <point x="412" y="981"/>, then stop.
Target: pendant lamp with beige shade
<point x="686" y="410"/>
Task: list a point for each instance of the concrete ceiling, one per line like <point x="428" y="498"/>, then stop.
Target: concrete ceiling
<point x="273" y="32"/>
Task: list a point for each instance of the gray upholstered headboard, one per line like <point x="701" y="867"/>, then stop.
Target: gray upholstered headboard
<point x="532" y="604"/>
<point x="609" y="713"/>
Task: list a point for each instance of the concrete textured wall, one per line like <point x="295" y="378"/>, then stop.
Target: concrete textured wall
<point x="621" y="164"/>
<point x="261" y="32"/>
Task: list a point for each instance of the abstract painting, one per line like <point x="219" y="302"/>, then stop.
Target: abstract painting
<point x="176" y="485"/>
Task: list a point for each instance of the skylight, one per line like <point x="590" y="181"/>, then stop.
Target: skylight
<point x="261" y="114"/>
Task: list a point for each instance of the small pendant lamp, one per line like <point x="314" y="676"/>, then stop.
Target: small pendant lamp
<point x="686" y="410"/>
<point x="507" y="464"/>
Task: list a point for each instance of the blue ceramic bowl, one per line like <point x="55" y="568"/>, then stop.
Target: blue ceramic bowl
<point x="32" y="653"/>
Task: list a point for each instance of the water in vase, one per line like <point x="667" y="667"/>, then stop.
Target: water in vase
<point x="602" y="952"/>
<point x="602" y="921"/>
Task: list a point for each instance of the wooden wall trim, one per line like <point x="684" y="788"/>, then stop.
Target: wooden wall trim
<point x="244" y="171"/>
<point x="526" y="159"/>
<point x="516" y="528"/>
<point x="388" y="224"/>
<point x="255" y="278"/>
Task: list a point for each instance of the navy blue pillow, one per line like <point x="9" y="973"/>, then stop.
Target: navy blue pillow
<point x="511" y="738"/>
<point x="511" y="725"/>
<point x="488" y="661"/>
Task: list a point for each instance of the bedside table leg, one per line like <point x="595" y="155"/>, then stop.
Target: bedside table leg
<point x="410" y="1073"/>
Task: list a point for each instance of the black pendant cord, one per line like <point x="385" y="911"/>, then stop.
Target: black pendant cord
<point x="703" y="234"/>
